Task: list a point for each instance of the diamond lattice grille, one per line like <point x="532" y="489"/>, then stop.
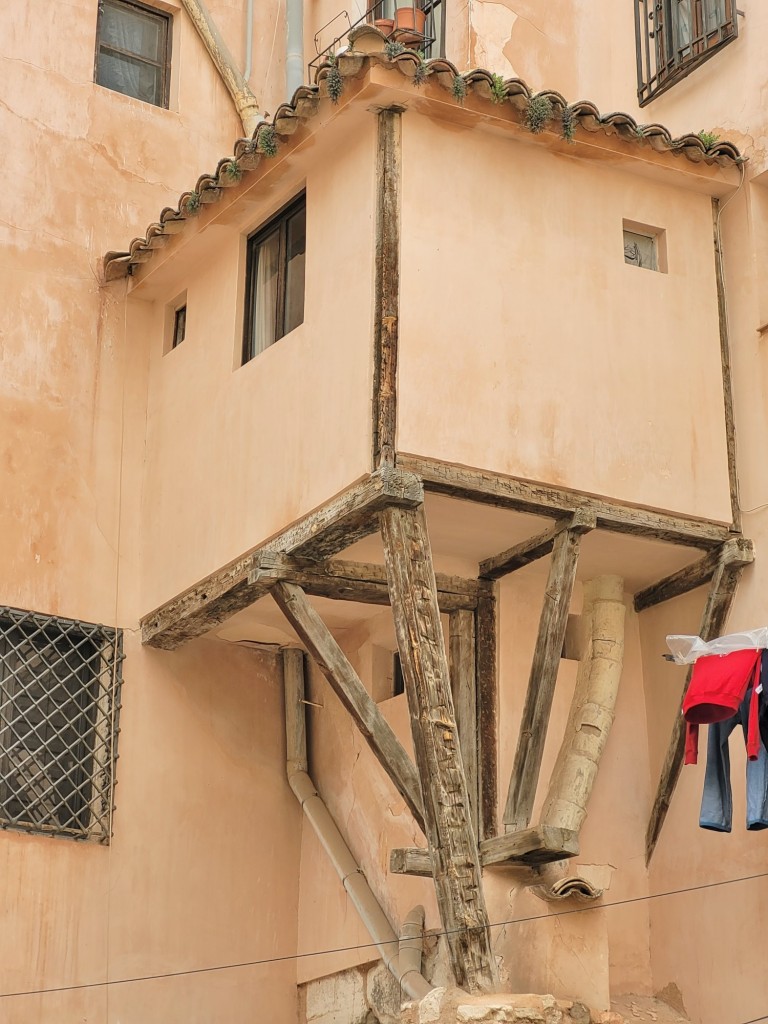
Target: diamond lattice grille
<point x="59" y="705"/>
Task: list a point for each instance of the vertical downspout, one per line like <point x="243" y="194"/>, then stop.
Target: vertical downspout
<point x="232" y="77"/>
<point x="248" y="41"/>
<point x="725" y="357"/>
<point x="294" y="52"/>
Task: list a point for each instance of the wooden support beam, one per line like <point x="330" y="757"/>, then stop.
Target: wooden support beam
<point x="386" y="297"/>
<point x="543" y="500"/>
<point x="461" y="664"/>
<point x="347" y="518"/>
<point x="537" y="547"/>
<point x="541" y="682"/>
<point x="722" y="590"/>
<point x="541" y="845"/>
<point x="486" y="672"/>
<point x="352" y="581"/>
<point x="692" y="576"/>
<point x="331" y="660"/>
<point x="295" y="717"/>
<point x="452" y="843"/>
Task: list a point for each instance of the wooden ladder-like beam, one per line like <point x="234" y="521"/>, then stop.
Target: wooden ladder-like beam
<point x="453" y="845"/>
<point x="734" y="556"/>
<point x="541" y="682"/>
<point x="334" y="665"/>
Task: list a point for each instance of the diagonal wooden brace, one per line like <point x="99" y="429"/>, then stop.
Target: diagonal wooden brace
<point x="733" y="558"/>
<point x="447" y="814"/>
<point x="541" y="682"/>
<point x="331" y="660"/>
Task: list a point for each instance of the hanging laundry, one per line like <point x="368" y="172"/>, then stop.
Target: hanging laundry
<point x="725" y="691"/>
<point x="717" y="688"/>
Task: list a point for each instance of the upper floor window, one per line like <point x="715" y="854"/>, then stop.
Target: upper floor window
<point x="59" y="704"/>
<point x="674" y="36"/>
<point x="274" y="286"/>
<point x="133" y="50"/>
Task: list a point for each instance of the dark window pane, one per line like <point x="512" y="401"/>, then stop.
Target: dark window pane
<point x="179" y="325"/>
<point x="294" y="281"/>
<point x="131" y="77"/>
<point x="266" y="262"/>
<point x="135" y="31"/>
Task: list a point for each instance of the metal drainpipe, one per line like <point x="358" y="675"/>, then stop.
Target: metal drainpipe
<point x="402" y="956"/>
<point x="248" y="41"/>
<point x="245" y="102"/>
<point x="294" y="52"/>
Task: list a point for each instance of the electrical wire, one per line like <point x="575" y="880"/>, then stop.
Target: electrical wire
<point x="373" y="945"/>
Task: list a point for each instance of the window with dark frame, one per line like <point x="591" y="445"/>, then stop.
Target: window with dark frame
<point x="179" y="325"/>
<point x="274" y="285"/>
<point x="133" y="45"/>
<point x="59" y="705"/>
<point x="673" y="37"/>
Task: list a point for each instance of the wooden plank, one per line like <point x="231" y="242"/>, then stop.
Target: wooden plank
<point x="331" y="660"/>
<point x="487" y="698"/>
<point x="692" y="576"/>
<point x="541" y="845"/>
<point x="295" y="716"/>
<point x="344" y="519"/>
<point x="725" y="364"/>
<point x="541" y="682"/>
<point x="537" y="547"/>
<point x="722" y="590"/>
<point x="462" y="668"/>
<point x="352" y="581"/>
<point x="386" y="301"/>
<point x="452" y="843"/>
<point x="544" y="500"/>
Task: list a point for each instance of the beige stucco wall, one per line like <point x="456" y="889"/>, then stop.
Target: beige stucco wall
<point x="191" y="879"/>
<point x="278" y="436"/>
<point x="581" y="370"/>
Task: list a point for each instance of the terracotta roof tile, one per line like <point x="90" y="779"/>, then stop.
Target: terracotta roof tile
<point x="368" y="46"/>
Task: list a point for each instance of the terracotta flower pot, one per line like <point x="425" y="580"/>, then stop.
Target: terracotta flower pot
<point x="410" y="18"/>
<point x="384" y="25"/>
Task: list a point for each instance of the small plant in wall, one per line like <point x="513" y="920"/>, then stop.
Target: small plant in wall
<point x="538" y="114"/>
<point x="393" y="48"/>
<point x="498" y="89"/>
<point x="459" y="88"/>
<point x="709" y="139"/>
<point x="192" y="205"/>
<point x="568" y="124"/>
<point x="232" y="172"/>
<point x="266" y="140"/>
<point x="421" y="73"/>
<point x="334" y="83"/>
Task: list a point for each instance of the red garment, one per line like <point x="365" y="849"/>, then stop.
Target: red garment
<point x="719" y="683"/>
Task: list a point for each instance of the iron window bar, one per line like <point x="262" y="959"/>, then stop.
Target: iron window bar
<point x="674" y="37"/>
<point x="59" y="721"/>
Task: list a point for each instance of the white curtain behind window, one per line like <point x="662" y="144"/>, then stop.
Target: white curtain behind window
<point x="125" y="32"/>
<point x="265" y="298"/>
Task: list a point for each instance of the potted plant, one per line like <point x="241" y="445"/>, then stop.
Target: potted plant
<point x="384" y="25"/>
<point x="411" y="19"/>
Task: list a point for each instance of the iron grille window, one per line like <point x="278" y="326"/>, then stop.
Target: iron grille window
<point x="59" y="705"/>
<point x="133" y="50"/>
<point x="274" y="287"/>
<point x="673" y="37"/>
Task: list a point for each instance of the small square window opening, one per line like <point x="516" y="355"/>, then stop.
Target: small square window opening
<point x="274" y="286"/>
<point x="640" y="250"/>
<point x="133" y="50"/>
<point x="179" y="326"/>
